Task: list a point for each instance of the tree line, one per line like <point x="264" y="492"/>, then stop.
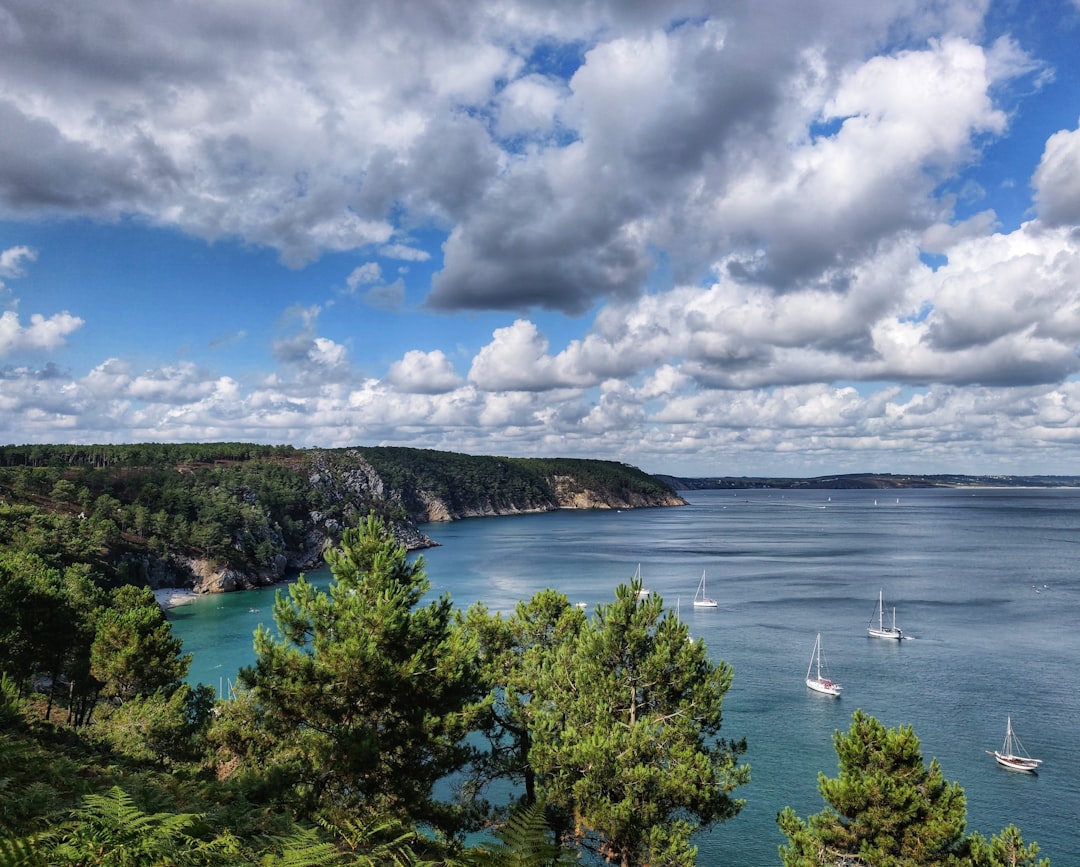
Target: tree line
<point x="251" y="507"/>
<point x="376" y="723"/>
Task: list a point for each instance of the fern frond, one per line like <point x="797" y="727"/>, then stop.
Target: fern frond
<point x="20" y="852"/>
<point x="526" y="840"/>
<point x="304" y="848"/>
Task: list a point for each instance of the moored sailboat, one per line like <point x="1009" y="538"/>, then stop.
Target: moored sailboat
<point x="1012" y="754"/>
<point x="643" y="592"/>
<point x="881" y="630"/>
<point x="814" y="678"/>
<point x="700" y="599"/>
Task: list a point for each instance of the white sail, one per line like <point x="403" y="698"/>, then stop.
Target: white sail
<point x="1012" y="754"/>
<point x="815" y="680"/>
<point x="881" y="630"/>
<point x="700" y="599"/>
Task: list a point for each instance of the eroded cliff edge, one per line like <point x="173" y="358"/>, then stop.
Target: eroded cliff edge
<point x="226" y="516"/>
<point x="410" y="487"/>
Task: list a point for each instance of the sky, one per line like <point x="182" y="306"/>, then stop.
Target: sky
<point x="711" y="237"/>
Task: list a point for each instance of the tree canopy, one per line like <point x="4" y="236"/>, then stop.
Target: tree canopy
<point x="365" y="692"/>
<point x="886" y="808"/>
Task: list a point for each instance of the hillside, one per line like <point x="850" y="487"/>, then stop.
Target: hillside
<point x="225" y="516"/>
<point x="869" y="481"/>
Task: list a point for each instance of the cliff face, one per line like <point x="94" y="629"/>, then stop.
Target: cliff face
<point x="353" y="483"/>
<point x="230" y="516"/>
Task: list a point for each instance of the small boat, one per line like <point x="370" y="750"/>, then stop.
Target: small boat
<point x="1012" y="754"/>
<point x="814" y="679"/>
<point x="881" y="630"/>
<point x="643" y="592"/>
<point x="700" y="599"/>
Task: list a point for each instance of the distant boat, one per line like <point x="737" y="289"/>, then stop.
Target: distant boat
<point x="881" y="630"/>
<point x="1012" y="754"/>
<point x="700" y="599"/>
<point x="643" y="593"/>
<point x="814" y="679"/>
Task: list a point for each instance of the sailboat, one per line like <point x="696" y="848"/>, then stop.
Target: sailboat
<point x="643" y="592"/>
<point x="814" y="680"/>
<point x="1012" y="754"/>
<point x="881" y="630"/>
<point x="700" y="599"/>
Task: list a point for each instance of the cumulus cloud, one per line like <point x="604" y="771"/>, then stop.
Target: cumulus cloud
<point x="309" y="358"/>
<point x="41" y="335"/>
<point x="554" y="189"/>
<point x="13" y="260"/>
<point x="760" y="230"/>
<point x="1057" y="179"/>
<point x="423" y="373"/>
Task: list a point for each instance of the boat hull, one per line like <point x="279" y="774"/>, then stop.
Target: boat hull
<point x="893" y="634"/>
<point x="825" y="687"/>
<point x="1017" y="763"/>
<point x="706" y="603"/>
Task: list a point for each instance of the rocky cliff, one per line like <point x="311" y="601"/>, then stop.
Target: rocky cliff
<point x="227" y="516"/>
<point x="411" y="487"/>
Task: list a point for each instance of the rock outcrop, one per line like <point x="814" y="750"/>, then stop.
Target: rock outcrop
<point x="428" y="487"/>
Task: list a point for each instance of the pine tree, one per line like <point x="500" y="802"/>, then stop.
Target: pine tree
<point x="627" y="739"/>
<point x="1006" y="849"/>
<point x="885" y="809"/>
<point x="514" y="655"/>
<point x="365" y="696"/>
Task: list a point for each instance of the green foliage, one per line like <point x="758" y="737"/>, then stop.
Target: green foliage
<point x="134" y="651"/>
<point x="887" y="809"/>
<point x="16" y="852"/>
<point x="364" y="697"/>
<point x="109" y="830"/>
<point x="514" y="655"/>
<point x="1006" y="849"/>
<point x="626" y="741"/>
<point x="470" y="482"/>
<point x="161" y="727"/>
<point x="526" y="840"/>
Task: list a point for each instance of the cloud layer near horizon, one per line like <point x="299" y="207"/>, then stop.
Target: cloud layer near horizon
<point x="722" y="239"/>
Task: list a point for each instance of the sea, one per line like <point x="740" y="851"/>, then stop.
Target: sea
<point x="985" y="583"/>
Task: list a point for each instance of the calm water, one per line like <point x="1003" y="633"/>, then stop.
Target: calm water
<point x="984" y="580"/>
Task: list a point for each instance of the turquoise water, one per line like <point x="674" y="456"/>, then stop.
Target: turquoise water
<point x="985" y="581"/>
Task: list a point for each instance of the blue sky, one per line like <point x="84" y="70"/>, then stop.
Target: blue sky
<point x="703" y="238"/>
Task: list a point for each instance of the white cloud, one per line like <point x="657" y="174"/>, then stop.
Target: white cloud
<point x="13" y="259"/>
<point x="529" y="106"/>
<point x="43" y="334"/>
<point x="423" y="373"/>
<point x="369" y="272"/>
<point x="734" y="204"/>
<point x="1057" y="179"/>
<point x="404" y="252"/>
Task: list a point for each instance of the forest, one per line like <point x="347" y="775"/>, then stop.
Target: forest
<point x="376" y="725"/>
<point x="265" y="510"/>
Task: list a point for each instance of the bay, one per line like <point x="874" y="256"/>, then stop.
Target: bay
<point x="983" y="580"/>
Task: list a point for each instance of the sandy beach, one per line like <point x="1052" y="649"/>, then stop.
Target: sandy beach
<point x="170" y="597"/>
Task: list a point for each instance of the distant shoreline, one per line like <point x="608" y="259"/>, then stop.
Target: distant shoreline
<point x="866" y="481"/>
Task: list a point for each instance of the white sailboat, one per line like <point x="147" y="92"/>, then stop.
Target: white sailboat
<point x="700" y="599"/>
<point x="814" y="678"/>
<point x="643" y="592"/>
<point x="881" y="630"/>
<point x="1012" y="754"/>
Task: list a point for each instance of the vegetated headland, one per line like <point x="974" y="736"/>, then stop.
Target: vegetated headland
<point x="868" y="481"/>
<point x="215" y="517"/>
